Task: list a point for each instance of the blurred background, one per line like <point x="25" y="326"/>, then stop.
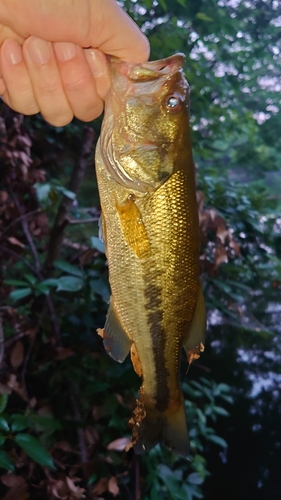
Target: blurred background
<point x="64" y="404"/>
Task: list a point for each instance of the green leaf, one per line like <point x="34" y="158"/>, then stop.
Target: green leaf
<point x="2" y="439"/>
<point x="66" y="192"/>
<point x="20" y="294"/>
<point x="4" y="426"/>
<point x="46" y="423"/>
<point x="100" y="288"/>
<point x="5" y="461"/>
<point x="217" y="440"/>
<point x="203" y="17"/>
<point x="49" y="282"/>
<point x="31" y="279"/>
<point x="97" y="244"/>
<point x="35" y="450"/>
<point x="16" y="282"/>
<point x="19" y="422"/>
<point x="42" y="191"/>
<point x="68" y="268"/>
<point x="3" y="402"/>
<point x="43" y="288"/>
<point x="163" y="4"/>
<point x="69" y="284"/>
<point x="195" y="478"/>
<point x="221" y="388"/>
<point x="154" y="493"/>
<point x="221" y="411"/>
<point x="163" y="471"/>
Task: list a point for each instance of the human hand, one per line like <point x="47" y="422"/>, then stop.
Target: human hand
<point x="62" y="79"/>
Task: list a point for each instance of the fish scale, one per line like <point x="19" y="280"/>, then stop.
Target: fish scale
<point x="150" y="223"/>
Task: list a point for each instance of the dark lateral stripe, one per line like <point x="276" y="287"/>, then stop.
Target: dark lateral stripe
<point x="158" y="336"/>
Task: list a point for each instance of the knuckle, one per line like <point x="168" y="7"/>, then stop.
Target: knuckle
<point x="48" y="88"/>
<point x="74" y="84"/>
<point x="90" y="113"/>
<point x="59" y="119"/>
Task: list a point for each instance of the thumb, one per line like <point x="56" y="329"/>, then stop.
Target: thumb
<point x="115" y="33"/>
<point x="100" y="24"/>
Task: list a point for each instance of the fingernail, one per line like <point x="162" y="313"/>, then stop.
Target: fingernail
<point x="12" y="51"/>
<point x="97" y="61"/>
<point x="39" y="50"/>
<point x="65" y="51"/>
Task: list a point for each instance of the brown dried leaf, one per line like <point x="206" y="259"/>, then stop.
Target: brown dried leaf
<point x="220" y="256"/>
<point x="4" y="389"/>
<point x="63" y="353"/>
<point x="119" y="444"/>
<point x="17" y="355"/>
<point x="100" y="487"/>
<point x="59" y="490"/>
<point x="91" y="435"/>
<point x="87" y="256"/>
<point x="62" y="445"/>
<point x="235" y="247"/>
<point x="223" y="233"/>
<point x="200" y="200"/>
<point x="113" y="486"/>
<point x="76" y="492"/>
<point x="15" y="386"/>
<point x="17" y="493"/>
<point x="12" y="481"/>
<point x="15" y="241"/>
<point x="3" y="197"/>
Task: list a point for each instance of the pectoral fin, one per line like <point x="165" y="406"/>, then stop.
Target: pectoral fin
<point x="133" y="227"/>
<point x="115" y="340"/>
<point x="194" y="344"/>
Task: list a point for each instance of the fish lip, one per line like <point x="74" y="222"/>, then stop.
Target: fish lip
<point x="151" y="70"/>
<point x="174" y="62"/>
<point x="157" y="69"/>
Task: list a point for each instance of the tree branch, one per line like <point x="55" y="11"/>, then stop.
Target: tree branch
<point x="24" y="224"/>
<point x="37" y="271"/>
<point x="19" y="257"/>
<point x="18" y="219"/>
<point x="84" y="456"/>
<point x="61" y="221"/>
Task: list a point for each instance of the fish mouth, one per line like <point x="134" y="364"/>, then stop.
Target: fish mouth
<point x="151" y="70"/>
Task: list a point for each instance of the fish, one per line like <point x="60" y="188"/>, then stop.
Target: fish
<point x="149" y="224"/>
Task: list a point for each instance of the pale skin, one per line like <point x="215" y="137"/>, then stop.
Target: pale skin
<point x="53" y="55"/>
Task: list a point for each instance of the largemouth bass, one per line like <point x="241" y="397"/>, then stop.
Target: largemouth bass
<point x="146" y="183"/>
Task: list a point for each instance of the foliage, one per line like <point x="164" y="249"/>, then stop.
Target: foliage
<point x="64" y="405"/>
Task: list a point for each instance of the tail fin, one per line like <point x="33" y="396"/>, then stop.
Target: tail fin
<point x="151" y="426"/>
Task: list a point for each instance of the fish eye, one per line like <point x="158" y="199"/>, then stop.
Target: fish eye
<point x="173" y="103"/>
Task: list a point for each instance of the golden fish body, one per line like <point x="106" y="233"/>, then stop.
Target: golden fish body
<point x="146" y="183"/>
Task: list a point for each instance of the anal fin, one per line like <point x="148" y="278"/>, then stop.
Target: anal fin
<point x="194" y="343"/>
<point x="115" y="340"/>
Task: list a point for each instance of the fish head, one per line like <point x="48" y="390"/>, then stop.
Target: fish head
<point x="146" y="121"/>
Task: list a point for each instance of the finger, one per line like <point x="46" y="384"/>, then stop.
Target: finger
<point x="6" y="32"/>
<point x="78" y="82"/>
<point x="47" y="85"/>
<point x="18" y="92"/>
<point x="99" y="68"/>
<point x="2" y="83"/>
